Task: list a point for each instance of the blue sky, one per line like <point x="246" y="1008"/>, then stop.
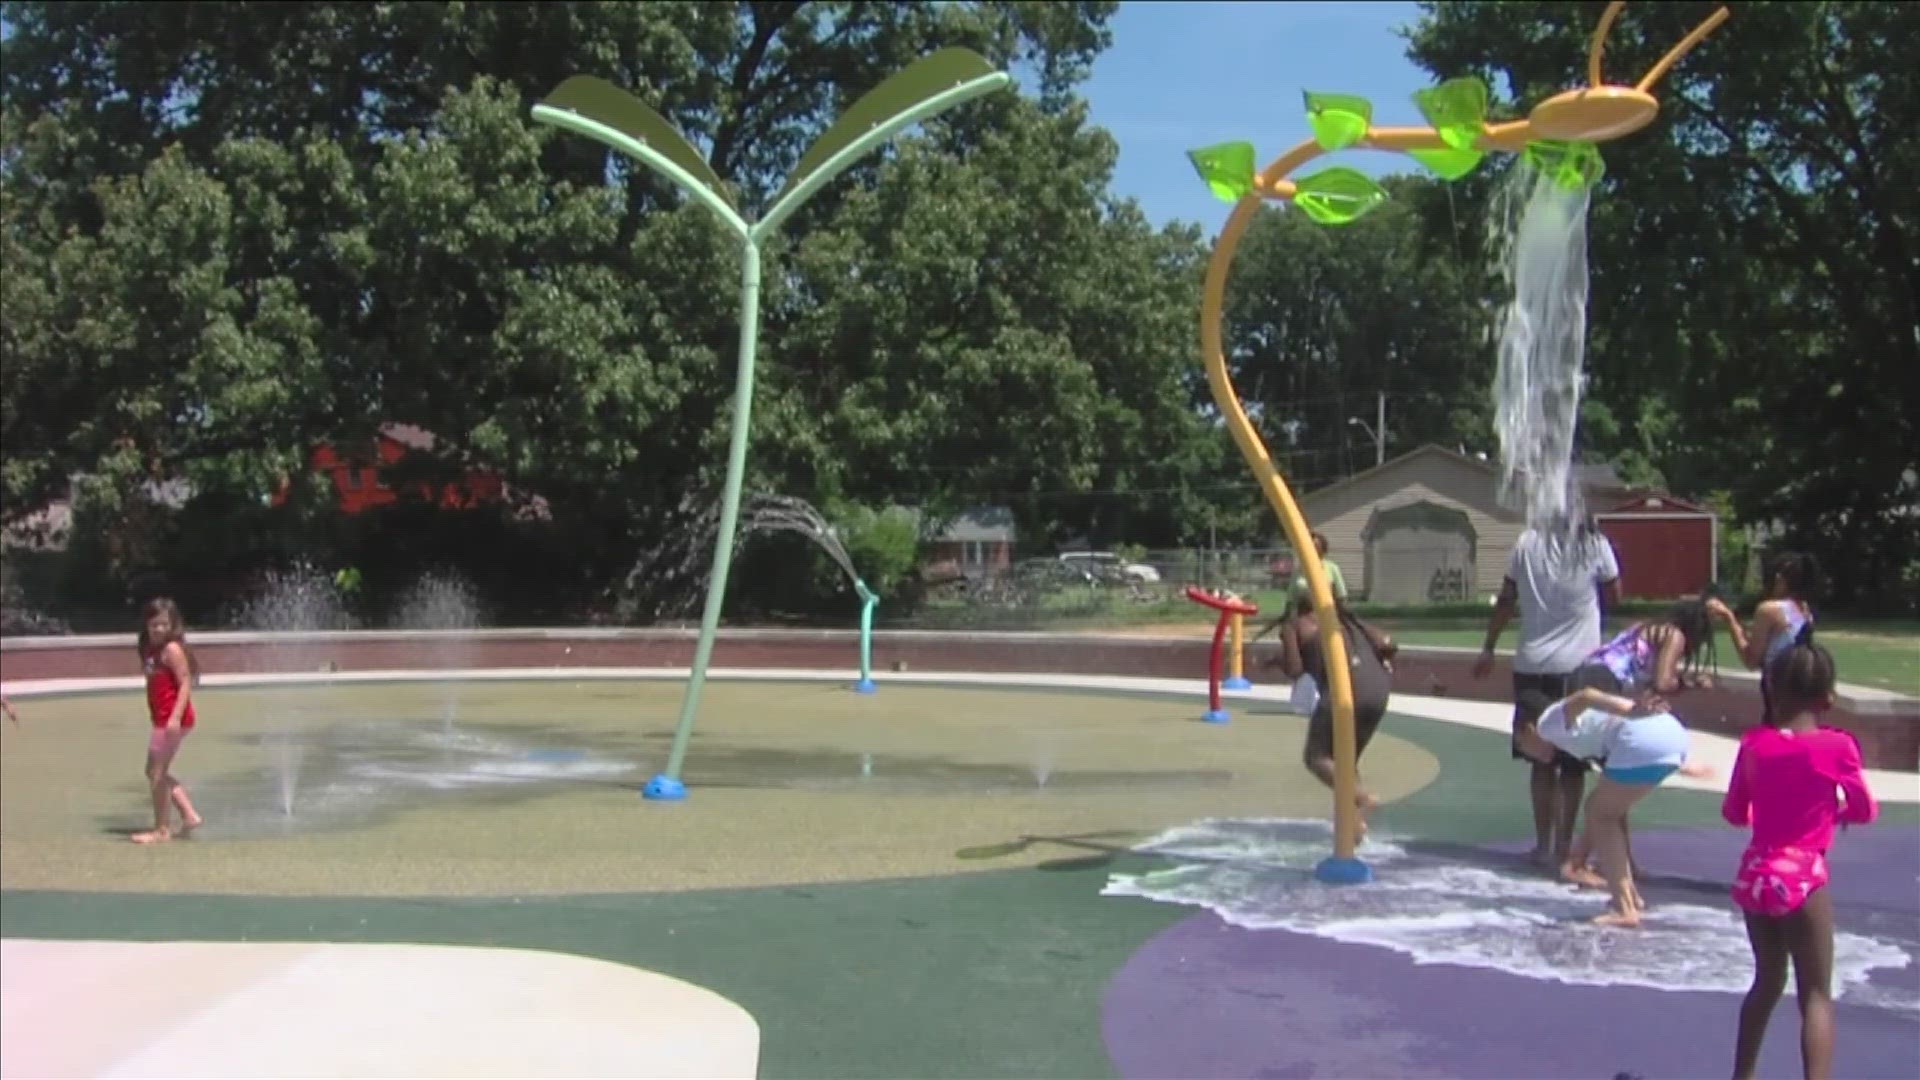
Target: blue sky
<point x="1185" y="75"/>
<point x="1182" y="75"/>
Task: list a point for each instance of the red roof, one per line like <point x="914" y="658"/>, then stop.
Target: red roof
<point x="1659" y="504"/>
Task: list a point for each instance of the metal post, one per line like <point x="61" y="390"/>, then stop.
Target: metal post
<point x="1380" y="432"/>
<point x="592" y="107"/>
<point x="1236" y="657"/>
<point x="1215" y="713"/>
<point x="668" y="785"/>
<point x="867" y="602"/>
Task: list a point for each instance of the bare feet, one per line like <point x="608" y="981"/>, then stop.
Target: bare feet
<point x="1622" y="920"/>
<point x="152" y="836"/>
<point x="1543" y="858"/>
<point x="191" y="824"/>
<point x="1581" y="876"/>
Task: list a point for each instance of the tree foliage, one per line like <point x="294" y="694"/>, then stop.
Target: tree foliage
<point x="1320" y="320"/>
<point x="1756" y="256"/>
<point x="234" y="232"/>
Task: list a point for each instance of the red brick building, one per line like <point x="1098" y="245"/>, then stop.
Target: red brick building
<point x="364" y="480"/>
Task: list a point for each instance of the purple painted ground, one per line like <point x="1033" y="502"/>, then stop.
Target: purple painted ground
<point x="1206" y="999"/>
<point x="1875" y="868"/>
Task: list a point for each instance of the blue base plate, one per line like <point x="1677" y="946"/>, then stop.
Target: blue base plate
<point x="664" y="788"/>
<point x="1216" y="716"/>
<point x="1337" y="871"/>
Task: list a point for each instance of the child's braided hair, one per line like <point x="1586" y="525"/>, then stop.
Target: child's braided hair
<point x="1803" y="671"/>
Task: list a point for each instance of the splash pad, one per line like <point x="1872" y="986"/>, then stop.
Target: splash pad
<point x="1462" y="962"/>
<point x="1559" y="140"/>
<point x="996" y="971"/>
<point x="1487" y="910"/>
<point x="523" y="797"/>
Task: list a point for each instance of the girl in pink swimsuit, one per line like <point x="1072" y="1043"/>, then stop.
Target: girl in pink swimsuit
<point x="1793" y="781"/>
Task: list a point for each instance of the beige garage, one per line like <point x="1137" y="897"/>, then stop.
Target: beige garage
<point x="1428" y="526"/>
<point x="1419" y="553"/>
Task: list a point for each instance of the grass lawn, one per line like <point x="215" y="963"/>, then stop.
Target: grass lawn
<point x="1883" y="654"/>
<point x="1867" y="654"/>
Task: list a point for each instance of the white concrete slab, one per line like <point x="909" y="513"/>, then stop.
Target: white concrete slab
<point x="194" y="1009"/>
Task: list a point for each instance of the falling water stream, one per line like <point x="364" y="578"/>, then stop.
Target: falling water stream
<point x="1539" y="239"/>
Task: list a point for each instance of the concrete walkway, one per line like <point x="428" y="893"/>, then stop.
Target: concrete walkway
<point x="196" y="1009"/>
<point x="984" y="973"/>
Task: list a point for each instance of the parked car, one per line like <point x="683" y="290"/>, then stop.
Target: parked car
<point x="1106" y="562"/>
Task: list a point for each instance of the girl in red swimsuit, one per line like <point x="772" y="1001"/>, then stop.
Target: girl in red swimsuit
<point x="171" y="673"/>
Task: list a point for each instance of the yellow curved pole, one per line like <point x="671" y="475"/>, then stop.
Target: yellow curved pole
<point x="1686" y="46"/>
<point x="1339" y="676"/>
<point x="1599" y="44"/>
<point x="1599" y="113"/>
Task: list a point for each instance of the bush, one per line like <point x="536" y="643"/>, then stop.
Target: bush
<point x="20" y="615"/>
<point x="883" y="544"/>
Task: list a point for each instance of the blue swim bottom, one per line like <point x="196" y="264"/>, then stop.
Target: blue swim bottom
<point x="1650" y="775"/>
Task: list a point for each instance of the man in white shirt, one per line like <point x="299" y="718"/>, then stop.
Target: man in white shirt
<point x="1560" y="582"/>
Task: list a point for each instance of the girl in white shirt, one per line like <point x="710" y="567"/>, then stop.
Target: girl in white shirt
<point x="1641" y="745"/>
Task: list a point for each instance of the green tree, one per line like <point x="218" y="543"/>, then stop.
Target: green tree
<point x="992" y="325"/>
<point x="359" y="224"/>
<point x="1321" y="319"/>
<point x="133" y="347"/>
<point x="1756" y="265"/>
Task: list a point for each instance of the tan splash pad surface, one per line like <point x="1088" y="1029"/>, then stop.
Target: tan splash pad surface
<point x="194" y="1009"/>
<point x="521" y="788"/>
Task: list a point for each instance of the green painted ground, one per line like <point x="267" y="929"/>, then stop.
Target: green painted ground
<point x="976" y="973"/>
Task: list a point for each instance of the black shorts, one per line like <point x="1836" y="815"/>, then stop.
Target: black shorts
<point x="1531" y="696"/>
<point x="1366" y="721"/>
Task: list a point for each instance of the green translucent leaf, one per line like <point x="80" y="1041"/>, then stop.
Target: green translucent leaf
<point x="604" y="103"/>
<point x="1337" y="196"/>
<point x="911" y="86"/>
<point x="1339" y="120"/>
<point x="1457" y="109"/>
<point x="1572" y="165"/>
<point x="1448" y="163"/>
<point x="1227" y="169"/>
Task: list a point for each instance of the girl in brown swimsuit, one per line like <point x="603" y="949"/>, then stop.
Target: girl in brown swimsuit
<point x="1370" y="662"/>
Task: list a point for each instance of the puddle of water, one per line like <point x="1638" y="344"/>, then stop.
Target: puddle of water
<point x="353" y="772"/>
<point x="1258" y="874"/>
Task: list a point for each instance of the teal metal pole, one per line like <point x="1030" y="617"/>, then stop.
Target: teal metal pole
<point x="868" y="602"/>
<point x="624" y="124"/>
<point x="668" y="785"/>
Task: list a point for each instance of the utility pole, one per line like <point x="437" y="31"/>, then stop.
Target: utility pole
<point x="1377" y="429"/>
<point x="1380" y="431"/>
